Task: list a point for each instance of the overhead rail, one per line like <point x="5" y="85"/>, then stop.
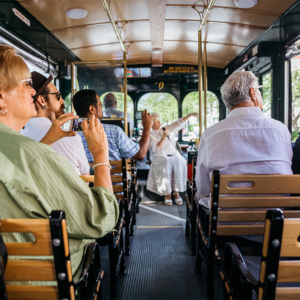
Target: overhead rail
<point x="113" y="23"/>
<point x="202" y="60"/>
<point x="47" y="65"/>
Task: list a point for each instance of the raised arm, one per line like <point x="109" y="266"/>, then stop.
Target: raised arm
<point x="190" y="115"/>
<point x="145" y="139"/>
<point x="98" y="146"/>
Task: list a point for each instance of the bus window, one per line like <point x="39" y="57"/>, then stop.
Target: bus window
<point x="295" y="69"/>
<point x="163" y="103"/>
<point x="120" y="102"/>
<point x="267" y="94"/>
<point x="190" y="104"/>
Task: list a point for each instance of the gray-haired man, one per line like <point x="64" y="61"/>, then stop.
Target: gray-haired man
<point x="246" y="142"/>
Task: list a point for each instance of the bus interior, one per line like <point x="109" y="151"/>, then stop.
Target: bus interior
<point x="170" y="57"/>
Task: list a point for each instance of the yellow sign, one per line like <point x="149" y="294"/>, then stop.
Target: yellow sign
<point x="182" y="70"/>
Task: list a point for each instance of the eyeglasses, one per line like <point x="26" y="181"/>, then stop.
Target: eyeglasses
<point x="259" y="87"/>
<point x="58" y="95"/>
<point x="28" y="81"/>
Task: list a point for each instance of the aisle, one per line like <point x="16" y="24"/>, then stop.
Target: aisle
<point x="160" y="265"/>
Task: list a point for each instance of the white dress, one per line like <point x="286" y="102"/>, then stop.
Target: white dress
<point x="168" y="171"/>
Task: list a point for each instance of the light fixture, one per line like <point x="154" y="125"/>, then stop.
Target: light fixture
<point x="156" y="51"/>
<point x="245" y="3"/>
<point x="77" y="13"/>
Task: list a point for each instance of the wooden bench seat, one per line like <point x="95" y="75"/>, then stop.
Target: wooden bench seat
<point x="235" y="208"/>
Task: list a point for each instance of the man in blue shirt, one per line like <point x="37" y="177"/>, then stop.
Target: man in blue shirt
<point x="87" y="103"/>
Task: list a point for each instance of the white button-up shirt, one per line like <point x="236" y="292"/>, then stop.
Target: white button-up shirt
<point x="69" y="147"/>
<point x="246" y="142"/>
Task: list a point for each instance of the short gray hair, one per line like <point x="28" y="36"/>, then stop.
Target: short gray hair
<point x="155" y="116"/>
<point x="236" y="88"/>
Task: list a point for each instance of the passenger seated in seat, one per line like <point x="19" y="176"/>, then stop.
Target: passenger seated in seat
<point x="86" y="104"/>
<point x="240" y="144"/>
<point x="168" y="171"/>
<point x="50" y="105"/>
<point x="34" y="179"/>
<point x="110" y="110"/>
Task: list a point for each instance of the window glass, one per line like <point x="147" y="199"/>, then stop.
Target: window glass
<point x="190" y="104"/>
<point x="120" y="102"/>
<point x="295" y="69"/>
<point x="133" y="72"/>
<point x="267" y="94"/>
<point x="164" y="104"/>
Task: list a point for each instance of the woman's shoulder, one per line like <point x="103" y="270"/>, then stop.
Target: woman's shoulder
<point x="19" y="147"/>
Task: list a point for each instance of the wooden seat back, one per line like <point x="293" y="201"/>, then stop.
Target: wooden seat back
<point x="118" y="174"/>
<point x="50" y="239"/>
<point x="237" y="204"/>
<point x="280" y="258"/>
<point x="279" y="270"/>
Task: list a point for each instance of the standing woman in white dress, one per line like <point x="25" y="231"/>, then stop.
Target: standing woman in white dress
<point x="168" y="171"/>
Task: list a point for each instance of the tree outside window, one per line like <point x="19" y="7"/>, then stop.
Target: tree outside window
<point x="295" y="64"/>
<point x="191" y="104"/>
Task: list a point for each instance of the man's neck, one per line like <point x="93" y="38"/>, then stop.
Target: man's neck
<point x="244" y="104"/>
<point x="42" y="114"/>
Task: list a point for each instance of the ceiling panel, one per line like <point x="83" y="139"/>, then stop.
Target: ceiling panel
<point x="228" y="31"/>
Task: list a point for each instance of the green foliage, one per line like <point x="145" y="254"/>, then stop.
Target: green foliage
<point x="120" y="102"/>
<point x="191" y="104"/>
<point x="295" y="102"/>
<point x="267" y="94"/>
<point x="162" y="103"/>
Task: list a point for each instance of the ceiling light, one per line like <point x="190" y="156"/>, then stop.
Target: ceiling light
<point x="77" y="13"/>
<point x="156" y="50"/>
<point x="245" y="3"/>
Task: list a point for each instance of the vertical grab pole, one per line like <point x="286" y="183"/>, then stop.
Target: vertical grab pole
<point x="125" y="92"/>
<point x="200" y="79"/>
<point x="205" y="85"/>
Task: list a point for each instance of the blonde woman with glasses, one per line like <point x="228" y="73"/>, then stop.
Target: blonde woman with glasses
<point x="34" y="179"/>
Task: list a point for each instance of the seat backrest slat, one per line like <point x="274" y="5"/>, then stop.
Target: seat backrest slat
<point x="240" y="230"/>
<point x="262" y="184"/>
<point x="39" y="228"/>
<point x="285" y="293"/>
<point x="289" y="271"/>
<point x="32" y="292"/>
<point x="116" y="178"/>
<point x="251" y="216"/>
<point x="257" y="202"/>
<point x="116" y="166"/>
<point x="30" y="270"/>
<point x="118" y="188"/>
<point x="290" y="239"/>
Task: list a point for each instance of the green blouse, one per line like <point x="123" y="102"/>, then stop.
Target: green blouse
<point x="34" y="180"/>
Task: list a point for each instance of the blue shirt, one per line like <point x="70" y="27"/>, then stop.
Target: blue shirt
<point x="119" y="144"/>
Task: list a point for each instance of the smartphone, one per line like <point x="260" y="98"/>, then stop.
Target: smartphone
<point x="76" y="124"/>
<point x="138" y="115"/>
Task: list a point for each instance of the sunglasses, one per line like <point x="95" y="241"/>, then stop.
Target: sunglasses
<point x="58" y="95"/>
<point x="28" y="81"/>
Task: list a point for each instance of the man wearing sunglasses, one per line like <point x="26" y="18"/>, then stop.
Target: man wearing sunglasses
<point x="49" y="106"/>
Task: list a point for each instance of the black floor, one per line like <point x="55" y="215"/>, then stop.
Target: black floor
<point x="160" y="265"/>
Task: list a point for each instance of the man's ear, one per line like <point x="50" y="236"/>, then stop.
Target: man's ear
<point x="252" y="93"/>
<point x="92" y="109"/>
<point x="40" y="101"/>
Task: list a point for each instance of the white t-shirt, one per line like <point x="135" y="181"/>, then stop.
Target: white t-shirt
<point x="69" y="147"/>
